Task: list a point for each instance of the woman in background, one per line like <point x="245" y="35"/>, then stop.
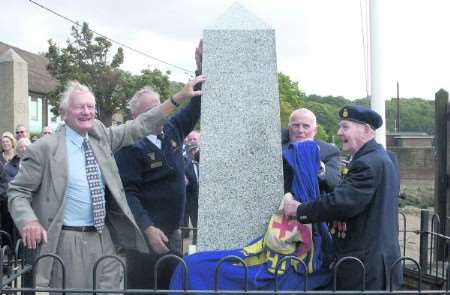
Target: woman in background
<point x="12" y="167"/>
<point x="9" y="171"/>
<point x="8" y="146"/>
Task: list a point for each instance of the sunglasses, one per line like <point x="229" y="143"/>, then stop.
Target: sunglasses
<point x="20" y="132"/>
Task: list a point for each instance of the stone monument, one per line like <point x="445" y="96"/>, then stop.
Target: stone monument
<point x="241" y="178"/>
<point x="13" y="91"/>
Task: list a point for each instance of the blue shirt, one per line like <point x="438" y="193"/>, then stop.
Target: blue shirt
<point x="78" y="204"/>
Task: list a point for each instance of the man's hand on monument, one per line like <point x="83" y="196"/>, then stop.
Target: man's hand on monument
<point x="290" y="206"/>
<point x="157" y="240"/>
<point x="199" y="57"/>
<point x="33" y="234"/>
<point x="188" y="90"/>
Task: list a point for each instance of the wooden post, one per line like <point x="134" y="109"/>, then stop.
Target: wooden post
<point x="423" y="247"/>
<point x="441" y="206"/>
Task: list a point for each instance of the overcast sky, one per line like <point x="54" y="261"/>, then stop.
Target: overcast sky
<point x="319" y="42"/>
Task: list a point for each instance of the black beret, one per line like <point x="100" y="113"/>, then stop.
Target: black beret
<point x="361" y="115"/>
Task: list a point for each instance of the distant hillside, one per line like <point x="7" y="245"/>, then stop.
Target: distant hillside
<point x="416" y="114"/>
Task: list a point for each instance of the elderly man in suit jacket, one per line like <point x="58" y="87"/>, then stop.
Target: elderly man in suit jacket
<point x="192" y="187"/>
<point x="61" y="207"/>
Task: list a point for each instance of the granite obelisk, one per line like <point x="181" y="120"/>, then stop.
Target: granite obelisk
<point x="241" y="179"/>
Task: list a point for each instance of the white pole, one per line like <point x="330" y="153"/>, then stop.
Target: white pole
<point x="378" y="97"/>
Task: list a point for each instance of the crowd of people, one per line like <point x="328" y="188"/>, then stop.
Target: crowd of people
<point x="86" y="190"/>
<point x="13" y="149"/>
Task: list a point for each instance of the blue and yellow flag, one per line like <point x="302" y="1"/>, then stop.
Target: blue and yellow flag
<point x="284" y="237"/>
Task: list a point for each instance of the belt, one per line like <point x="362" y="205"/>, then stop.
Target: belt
<point x="88" y="228"/>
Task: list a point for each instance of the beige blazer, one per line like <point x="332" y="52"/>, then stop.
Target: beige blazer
<point x="37" y="192"/>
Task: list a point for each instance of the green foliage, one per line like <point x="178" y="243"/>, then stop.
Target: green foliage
<point x="327" y="118"/>
<point x="337" y="101"/>
<point x="416" y="115"/>
<point x="86" y="59"/>
<point x="362" y="102"/>
<point x="155" y="78"/>
<point x="291" y="97"/>
<point x="325" y="108"/>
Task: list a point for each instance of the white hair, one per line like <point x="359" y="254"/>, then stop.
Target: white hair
<point x="303" y="111"/>
<point x="133" y="104"/>
<point x="71" y="87"/>
<point x="22" y="141"/>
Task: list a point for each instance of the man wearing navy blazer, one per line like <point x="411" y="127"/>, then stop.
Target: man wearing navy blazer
<point x="303" y="126"/>
<point x="192" y="187"/>
<point x="153" y="175"/>
<point x="366" y="201"/>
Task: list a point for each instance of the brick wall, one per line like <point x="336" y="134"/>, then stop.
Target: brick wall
<point x="416" y="163"/>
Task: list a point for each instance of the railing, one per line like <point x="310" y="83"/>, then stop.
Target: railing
<point x="433" y="250"/>
<point x="430" y="274"/>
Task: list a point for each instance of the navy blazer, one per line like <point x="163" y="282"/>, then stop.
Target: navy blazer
<point x="4" y="180"/>
<point x="367" y="201"/>
<point x="12" y="167"/>
<point x="192" y="186"/>
<point x="153" y="178"/>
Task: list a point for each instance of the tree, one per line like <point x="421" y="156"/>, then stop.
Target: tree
<point x="327" y="119"/>
<point x="325" y="108"/>
<point x="291" y="97"/>
<point x="86" y="59"/>
<point x="155" y="78"/>
<point x="416" y="115"/>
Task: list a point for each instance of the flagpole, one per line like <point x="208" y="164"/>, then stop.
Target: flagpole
<point x="378" y="97"/>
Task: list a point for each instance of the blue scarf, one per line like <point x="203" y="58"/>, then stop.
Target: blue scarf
<point x="304" y="159"/>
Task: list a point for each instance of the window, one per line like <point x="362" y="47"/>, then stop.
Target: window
<point x="33" y="108"/>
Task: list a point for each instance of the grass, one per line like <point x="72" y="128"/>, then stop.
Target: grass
<point x="417" y="194"/>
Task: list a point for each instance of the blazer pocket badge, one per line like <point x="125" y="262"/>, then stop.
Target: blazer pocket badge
<point x="151" y="156"/>
<point x="156" y="164"/>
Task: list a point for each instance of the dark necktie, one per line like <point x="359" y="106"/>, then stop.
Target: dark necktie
<point x="196" y="171"/>
<point x="95" y="187"/>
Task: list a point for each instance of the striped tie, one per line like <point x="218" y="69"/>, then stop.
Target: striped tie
<point x="95" y="187"/>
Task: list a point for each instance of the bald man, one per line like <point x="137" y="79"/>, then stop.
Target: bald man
<point x="303" y="126"/>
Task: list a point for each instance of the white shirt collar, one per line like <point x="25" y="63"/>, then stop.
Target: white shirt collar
<point x="155" y="140"/>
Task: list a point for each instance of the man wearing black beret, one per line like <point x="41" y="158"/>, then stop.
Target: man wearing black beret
<point x="364" y="204"/>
